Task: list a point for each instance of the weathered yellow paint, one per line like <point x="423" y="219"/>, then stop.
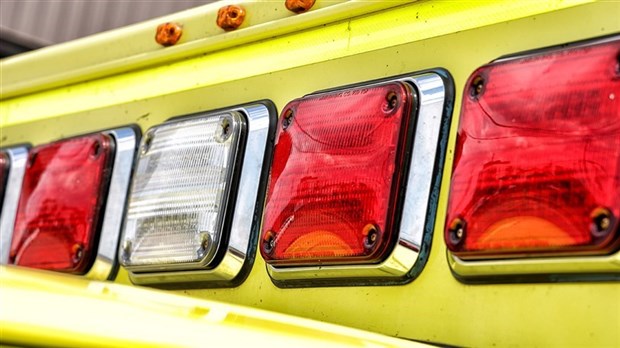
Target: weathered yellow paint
<point x="49" y="309"/>
<point x="347" y="38"/>
<point x="458" y="36"/>
<point x="134" y="47"/>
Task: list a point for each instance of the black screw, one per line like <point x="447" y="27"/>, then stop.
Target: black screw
<point x="269" y="242"/>
<point x="205" y="243"/>
<point x="95" y="150"/>
<point x="371" y="233"/>
<point x="456" y="231"/>
<point x="126" y="249"/>
<point x="225" y="129"/>
<point x="148" y="139"/>
<point x="33" y="158"/>
<point x="77" y="252"/>
<point x="477" y="87"/>
<point x="391" y="102"/>
<point x="602" y="221"/>
<point x="287" y="119"/>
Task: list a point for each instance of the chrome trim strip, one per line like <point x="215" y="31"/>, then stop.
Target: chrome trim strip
<point x="431" y="97"/>
<point x="18" y="157"/>
<point x="242" y="238"/>
<point x="555" y="49"/>
<point x="550" y="266"/>
<point x="105" y="264"/>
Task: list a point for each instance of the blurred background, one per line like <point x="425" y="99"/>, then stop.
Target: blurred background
<point x="30" y="24"/>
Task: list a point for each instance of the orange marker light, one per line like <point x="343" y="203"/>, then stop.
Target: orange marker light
<point x="230" y="17"/>
<point x="168" y="34"/>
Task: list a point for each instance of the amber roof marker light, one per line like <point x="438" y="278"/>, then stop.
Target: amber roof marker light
<point x="299" y="6"/>
<point x="168" y="34"/>
<point x="230" y="17"/>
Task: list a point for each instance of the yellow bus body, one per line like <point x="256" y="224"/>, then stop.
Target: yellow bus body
<point x="123" y="77"/>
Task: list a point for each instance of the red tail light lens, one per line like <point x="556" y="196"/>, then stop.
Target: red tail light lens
<point x="537" y="161"/>
<point x="61" y="203"/>
<point x="338" y="164"/>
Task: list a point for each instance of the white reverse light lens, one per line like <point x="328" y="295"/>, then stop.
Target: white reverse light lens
<point x="180" y="193"/>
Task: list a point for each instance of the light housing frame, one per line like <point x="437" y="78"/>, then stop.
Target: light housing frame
<point x="547" y="267"/>
<point x="142" y="233"/>
<point x="239" y="252"/>
<point x="433" y="97"/>
<point x="18" y="158"/>
<point x="105" y="265"/>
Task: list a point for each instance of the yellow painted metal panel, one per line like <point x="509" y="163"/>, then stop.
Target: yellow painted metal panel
<point x="457" y="36"/>
<point x="385" y="29"/>
<point x="43" y="308"/>
<point x="134" y="46"/>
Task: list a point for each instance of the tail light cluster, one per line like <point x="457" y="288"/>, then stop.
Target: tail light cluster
<point x="352" y="195"/>
<point x="537" y="162"/>
<point x="334" y="183"/>
<point x="348" y="196"/>
<point x="64" y="202"/>
<point x="181" y="184"/>
<point x="60" y="207"/>
<point x="196" y="198"/>
<point x="13" y="167"/>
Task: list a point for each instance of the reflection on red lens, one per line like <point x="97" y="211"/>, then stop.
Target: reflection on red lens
<point x="337" y="166"/>
<point x="61" y="203"/>
<point x="537" y="161"/>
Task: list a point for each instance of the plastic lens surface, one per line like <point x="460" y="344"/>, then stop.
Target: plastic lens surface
<point x="180" y="192"/>
<point x="62" y="200"/>
<point x="337" y="168"/>
<point x="537" y="161"/>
